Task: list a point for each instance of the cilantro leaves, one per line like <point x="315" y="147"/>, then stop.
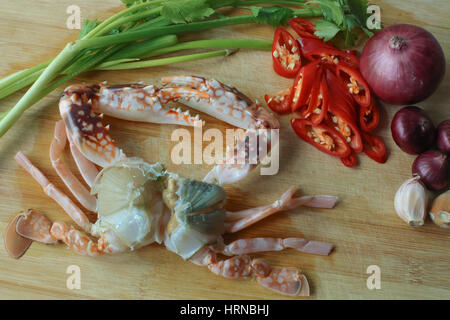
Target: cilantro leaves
<point x="274" y="15"/>
<point x="342" y="16"/>
<point x="183" y="11"/>
<point x="339" y="16"/>
<point x="326" y="30"/>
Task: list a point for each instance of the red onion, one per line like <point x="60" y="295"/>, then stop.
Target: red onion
<point x="433" y="168"/>
<point x="412" y="130"/>
<point x="443" y="136"/>
<point x="403" y="64"/>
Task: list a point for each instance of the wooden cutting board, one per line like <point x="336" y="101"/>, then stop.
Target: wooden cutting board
<point x="414" y="262"/>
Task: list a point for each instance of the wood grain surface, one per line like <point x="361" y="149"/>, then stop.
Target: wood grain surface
<point x="414" y="262"/>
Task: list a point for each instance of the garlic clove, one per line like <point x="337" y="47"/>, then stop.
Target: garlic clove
<point x="411" y="201"/>
<point x="440" y="210"/>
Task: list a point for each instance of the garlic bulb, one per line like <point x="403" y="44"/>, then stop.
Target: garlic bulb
<point x="411" y="202"/>
<point x="440" y="210"/>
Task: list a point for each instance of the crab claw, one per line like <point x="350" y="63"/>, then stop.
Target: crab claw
<point x="137" y="102"/>
<point x="232" y="106"/>
<point x="218" y="100"/>
<point x="85" y="128"/>
<point x="79" y="106"/>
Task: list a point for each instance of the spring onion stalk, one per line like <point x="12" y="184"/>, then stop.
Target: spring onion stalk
<point x="29" y="98"/>
<point x="19" y="85"/>
<point x="200" y="44"/>
<point x="131" y="53"/>
<point x="215" y="44"/>
<point x="144" y="48"/>
<point x="167" y="61"/>
<point x="5" y="82"/>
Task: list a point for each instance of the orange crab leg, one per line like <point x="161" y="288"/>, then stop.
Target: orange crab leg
<point x="71" y="208"/>
<point x="237" y="221"/>
<point x="287" y="281"/>
<point x="80" y="192"/>
<point x="253" y="245"/>
<point x="35" y="226"/>
<point x="87" y="169"/>
<point x="75" y="240"/>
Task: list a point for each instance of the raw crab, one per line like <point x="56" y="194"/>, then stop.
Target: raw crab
<point x="138" y="203"/>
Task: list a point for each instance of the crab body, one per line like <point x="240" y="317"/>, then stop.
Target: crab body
<point x="138" y="203"/>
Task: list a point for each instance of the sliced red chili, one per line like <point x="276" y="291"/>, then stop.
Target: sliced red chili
<point x="369" y="117"/>
<point x="303" y="84"/>
<point x="303" y="28"/>
<point x="322" y="137"/>
<point x="374" y="148"/>
<point x="355" y="83"/>
<point x="316" y="97"/>
<point x="339" y="120"/>
<point x="352" y="52"/>
<point x="350" y="161"/>
<point x="285" y="54"/>
<point x="329" y="55"/>
<point x="339" y="95"/>
<point x="308" y="45"/>
<point x="321" y="109"/>
<point x="280" y="102"/>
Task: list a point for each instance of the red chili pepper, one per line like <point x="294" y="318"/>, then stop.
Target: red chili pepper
<point x="285" y="54"/>
<point x="321" y="110"/>
<point x="315" y="97"/>
<point x="374" y="148"/>
<point x="339" y="120"/>
<point x="369" y="117"/>
<point x="352" y="52"/>
<point x="355" y="83"/>
<point x="303" y="84"/>
<point x="322" y="137"/>
<point x="350" y="161"/>
<point x="303" y="28"/>
<point x="280" y="102"/>
<point x="339" y="95"/>
<point x="308" y="45"/>
<point x="313" y="49"/>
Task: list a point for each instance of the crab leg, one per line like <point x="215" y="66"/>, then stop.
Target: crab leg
<point x="287" y="281"/>
<point x="239" y="220"/>
<point x="87" y="169"/>
<point x="62" y="199"/>
<point x="36" y="226"/>
<point x="80" y="192"/>
<point x="247" y="246"/>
